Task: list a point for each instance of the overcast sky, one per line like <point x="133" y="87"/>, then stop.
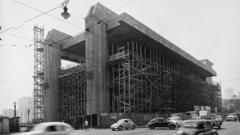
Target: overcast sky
<point x="203" y="28"/>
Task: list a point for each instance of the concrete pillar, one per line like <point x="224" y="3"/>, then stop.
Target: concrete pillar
<point x="96" y="65"/>
<point x="52" y="65"/>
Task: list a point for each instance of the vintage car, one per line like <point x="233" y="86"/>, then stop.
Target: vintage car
<point x="123" y="124"/>
<point x="51" y="128"/>
<point x="196" y="127"/>
<point x="162" y="122"/>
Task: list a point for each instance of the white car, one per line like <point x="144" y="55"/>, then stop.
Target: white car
<point x="123" y="124"/>
<point x="51" y="128"/>
<point x="176" y="120"/>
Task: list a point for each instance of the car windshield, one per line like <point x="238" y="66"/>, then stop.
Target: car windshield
<point x="156" y="119"/>
<point x="122" y="120"/>
<point x="189" y="124"/>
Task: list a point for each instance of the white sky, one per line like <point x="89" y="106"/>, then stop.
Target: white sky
<point x="203" y="28"/>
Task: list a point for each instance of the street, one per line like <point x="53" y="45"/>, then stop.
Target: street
<point x="138" y="131"/>
<point x="228" y="128"/>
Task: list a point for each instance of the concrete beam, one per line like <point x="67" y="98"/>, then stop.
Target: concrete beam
<point x="147" y="31"/>
<point x="72" y="57"/>
<point x="73" y="41"/>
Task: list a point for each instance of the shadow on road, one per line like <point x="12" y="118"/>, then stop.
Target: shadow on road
<point x="221" y="128"/>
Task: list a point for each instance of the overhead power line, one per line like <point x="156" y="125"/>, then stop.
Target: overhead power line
<point x="16" y="36"/>
<point x="28" y="20"/>
<point x="236" y="79"/>
<point x="42" y="13"/>
<point x="34" y="17"/>
<point x="54" y="17"/>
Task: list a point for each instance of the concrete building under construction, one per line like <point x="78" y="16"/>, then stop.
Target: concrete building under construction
<point x="124" y="69"/>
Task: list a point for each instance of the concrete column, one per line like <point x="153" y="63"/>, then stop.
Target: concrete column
<point x="52" y="65"/>
<point x="96" y="66"/>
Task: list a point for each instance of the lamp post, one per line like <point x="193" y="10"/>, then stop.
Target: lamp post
<point x="15" y="111"/>
<point x="28" y="111"/>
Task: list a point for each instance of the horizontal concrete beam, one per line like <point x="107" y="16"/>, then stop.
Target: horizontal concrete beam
<point x="73" y="41"/>
<point x="147" y="31"/>
<point x="72" y="57"/>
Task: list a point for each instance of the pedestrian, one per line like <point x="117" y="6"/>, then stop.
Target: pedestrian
<point x="86" y="125"/>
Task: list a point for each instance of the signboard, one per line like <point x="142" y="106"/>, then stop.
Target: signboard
<point x="203" y="113"/>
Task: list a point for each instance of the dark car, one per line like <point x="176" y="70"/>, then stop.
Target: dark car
<point x="196" y="127"/>
<point x="161" y="122"/>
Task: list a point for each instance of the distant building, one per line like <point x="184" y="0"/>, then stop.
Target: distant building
<point x="4" y="125"/>
<point x="228" y="93"/>
<point x="25" y="104"/>
<point x="8" y="113"/>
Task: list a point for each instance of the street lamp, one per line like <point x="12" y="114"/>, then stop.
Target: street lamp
<point x="28" y="111"/>
<point x="65" y="13"/>
<point x="15" y="112"/>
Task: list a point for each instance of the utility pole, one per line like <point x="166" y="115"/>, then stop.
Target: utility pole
<point x="28" y="111"/>
<point x="15" y="111"/>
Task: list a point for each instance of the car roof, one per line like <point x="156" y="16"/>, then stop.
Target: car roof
<point x="158" y="118"/>
<point x="123" y="119"/>
<point x="196" y="120"/>
<point x="53" y="123"/>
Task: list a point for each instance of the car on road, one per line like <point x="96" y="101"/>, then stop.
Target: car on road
<point x="123" y="124"/>
<point x="177" y="120"/>
<point x="231" y="117"/>
<point x="216" y="120"/>
<point x="161" y="122"/>
<point x="196" y="127"/>
<point x="51" y="128"/>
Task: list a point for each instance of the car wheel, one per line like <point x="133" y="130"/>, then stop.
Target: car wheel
<point x="133" y="126"/>
<point x="113" y="129"/>
<point x="120" y="127"/>
<point x="172" y="126"/>
<point x="151" y="127"/>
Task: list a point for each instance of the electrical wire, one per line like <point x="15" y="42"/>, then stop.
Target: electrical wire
<point x="32" y="18"/>
<point x="236" y="79"/>
<point x="28" y="20"/>
<point x="16" y="36"/>
<point x="54" y="17"/>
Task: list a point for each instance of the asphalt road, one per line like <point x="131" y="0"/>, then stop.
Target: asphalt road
<point x="138" y="131"/>
<point x="230" y="128"/>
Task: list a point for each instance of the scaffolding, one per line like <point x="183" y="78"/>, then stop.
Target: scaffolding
<point x="145" y="80"/>
<point x="38" y="74"/>
<point x="139" y="82"/>
<point x="72" y="85"/>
